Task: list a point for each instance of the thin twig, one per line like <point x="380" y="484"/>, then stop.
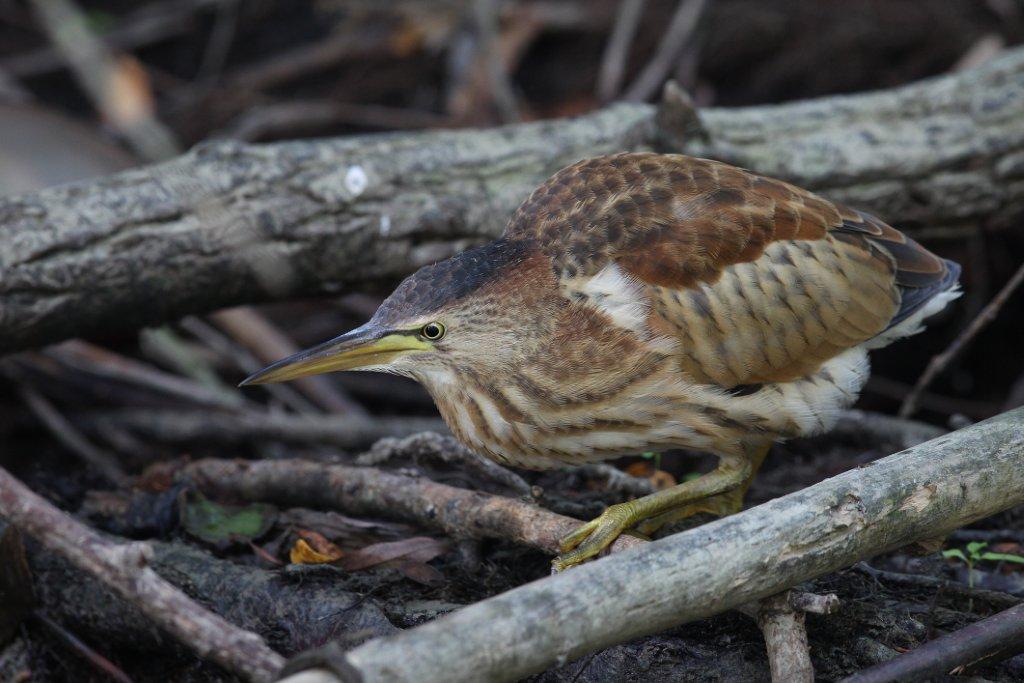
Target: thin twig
<point x="876" y="429"/>
<point x="104" y="463"/>
<point x="250" y="426"/>
<point x="616" y="51"/>
<point x="814" y="603"/>
<point x="164" y="345"/>
<point x="308" y="58"/>
<point x="485" y="16"/>
<point x="679" y="32"/>
<point x="313" y="116"/>
<point x="887" y="387"/>
<point x="617" y="480"/>
<point x="98" y="661"/>
<point x="461" y="513"/>
<point x="219" y="44"/>
<point x="251" y="329"/>
<point x="123" y="567"/>
<point x="448" y="450"/>
<point x="994" y="598"/>
<point x="105" y="364"/>
<point x="939" y="362"/>
<point x="988" y="536"/>
<point x="234" y="353"/>
<point x="151" y="23"/>
<point x="116" y="84"/>
<point x="985" y="641"/>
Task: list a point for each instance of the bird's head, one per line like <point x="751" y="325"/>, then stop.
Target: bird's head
<point x="475" y="311"/>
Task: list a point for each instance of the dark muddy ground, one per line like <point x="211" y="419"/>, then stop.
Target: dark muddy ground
<point x="406" y="67"/>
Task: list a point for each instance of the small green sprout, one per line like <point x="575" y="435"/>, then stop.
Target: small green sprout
<point x="976" y="553"/>
<point x="651" y="455"/>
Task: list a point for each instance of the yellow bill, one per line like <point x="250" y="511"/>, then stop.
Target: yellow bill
<point x="360" y="348"/>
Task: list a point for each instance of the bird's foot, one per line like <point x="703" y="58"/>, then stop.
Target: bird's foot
<point x="591" y="538"/>
<point x="722" y="505"/>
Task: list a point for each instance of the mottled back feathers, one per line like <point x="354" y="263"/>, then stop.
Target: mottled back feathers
<point x="760" y="280"/>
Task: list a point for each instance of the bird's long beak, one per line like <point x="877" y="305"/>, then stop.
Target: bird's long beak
<point x="361" y="348"/>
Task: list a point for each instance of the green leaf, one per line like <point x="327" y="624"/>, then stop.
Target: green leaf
<point x="974" y="548"/>
<point x="224" y="524"/>
<point x="954" y="553"/>
<point x="1002" y="557"/>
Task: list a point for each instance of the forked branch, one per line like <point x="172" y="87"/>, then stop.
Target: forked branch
<point x="925" y="491"/>
<point x="122" y="567"/>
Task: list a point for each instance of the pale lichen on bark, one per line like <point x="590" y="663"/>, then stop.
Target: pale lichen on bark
<point x="230" y="223"/>
<point x="717" y="566"/>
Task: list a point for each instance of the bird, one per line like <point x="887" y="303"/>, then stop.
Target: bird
<point x="641" y="302"/>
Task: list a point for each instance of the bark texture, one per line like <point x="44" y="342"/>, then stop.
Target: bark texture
<point x="458" y="512"/>
<point x="230" y="223"/>
<point x="925" y="491"/>
<point x="125" y="569"/>
<point x="290" y="610"/>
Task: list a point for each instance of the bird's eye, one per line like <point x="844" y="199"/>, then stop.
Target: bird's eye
<point x="432" y="331"/>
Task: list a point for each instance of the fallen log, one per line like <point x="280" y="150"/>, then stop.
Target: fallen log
<point x="991" y="639"/>
<point x="230" y="223"/>
<point x="463" y="513"/>
<point x="124" y="569"/>
<point x="290" y="610"/>
<point x="922" y="492"/>
<point x="460" y="513"/>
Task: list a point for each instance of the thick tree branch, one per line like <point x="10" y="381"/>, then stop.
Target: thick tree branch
<point x="925" y="491"/>
<point x="231" y="223"/>
<point x="991" y="639"/>
<point x="291" y="611"/>
<point x="459" y="512"/>
<point x="123" y="567"/>
<point x="463" y="513"/>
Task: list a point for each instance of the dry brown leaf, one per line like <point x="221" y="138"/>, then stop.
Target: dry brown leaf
<point x="264" y="555"/>
<point x="313" y="548"/>
<point x="303" y="553"/>
<point x="416" y="549"/>
<point x="160" y="476"/>
<point x="660" y="479"/>
<point x="419" y="572"/>
<point x="319" y="543"/>
<point x="129" y="97"/>
<point x="640" y="469"/>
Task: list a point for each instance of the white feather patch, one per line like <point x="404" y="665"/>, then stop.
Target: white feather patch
<point x="915" y="323"/>
<point x="619" y="296"/>
<point x="625" y="300"/>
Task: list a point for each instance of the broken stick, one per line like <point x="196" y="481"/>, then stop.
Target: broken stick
<point x="924" y="491"/>
<point x="123" y="567"/>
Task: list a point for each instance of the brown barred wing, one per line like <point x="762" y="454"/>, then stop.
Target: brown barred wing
<point x="761" y="281"/>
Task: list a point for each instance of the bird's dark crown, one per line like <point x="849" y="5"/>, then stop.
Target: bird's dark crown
<point x="438" y="285"/>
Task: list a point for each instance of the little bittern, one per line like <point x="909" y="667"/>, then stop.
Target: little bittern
<point x="640" y="302"/>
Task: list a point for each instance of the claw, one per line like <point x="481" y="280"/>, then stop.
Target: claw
<point x="591" y="538"/>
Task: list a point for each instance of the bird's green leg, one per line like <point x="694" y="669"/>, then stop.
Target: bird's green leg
<point x="721" y="505"/>
<point x="594" y="536"/>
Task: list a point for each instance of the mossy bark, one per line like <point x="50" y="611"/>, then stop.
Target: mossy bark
<point x="230" y="223"/>
<point x="922" y="492"/>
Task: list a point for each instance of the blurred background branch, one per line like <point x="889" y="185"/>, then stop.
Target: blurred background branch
<point x="289" y="192"/>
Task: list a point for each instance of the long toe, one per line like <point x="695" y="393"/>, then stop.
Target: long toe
<point x="591" y="538"/>
<point x="722" y="505"/>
